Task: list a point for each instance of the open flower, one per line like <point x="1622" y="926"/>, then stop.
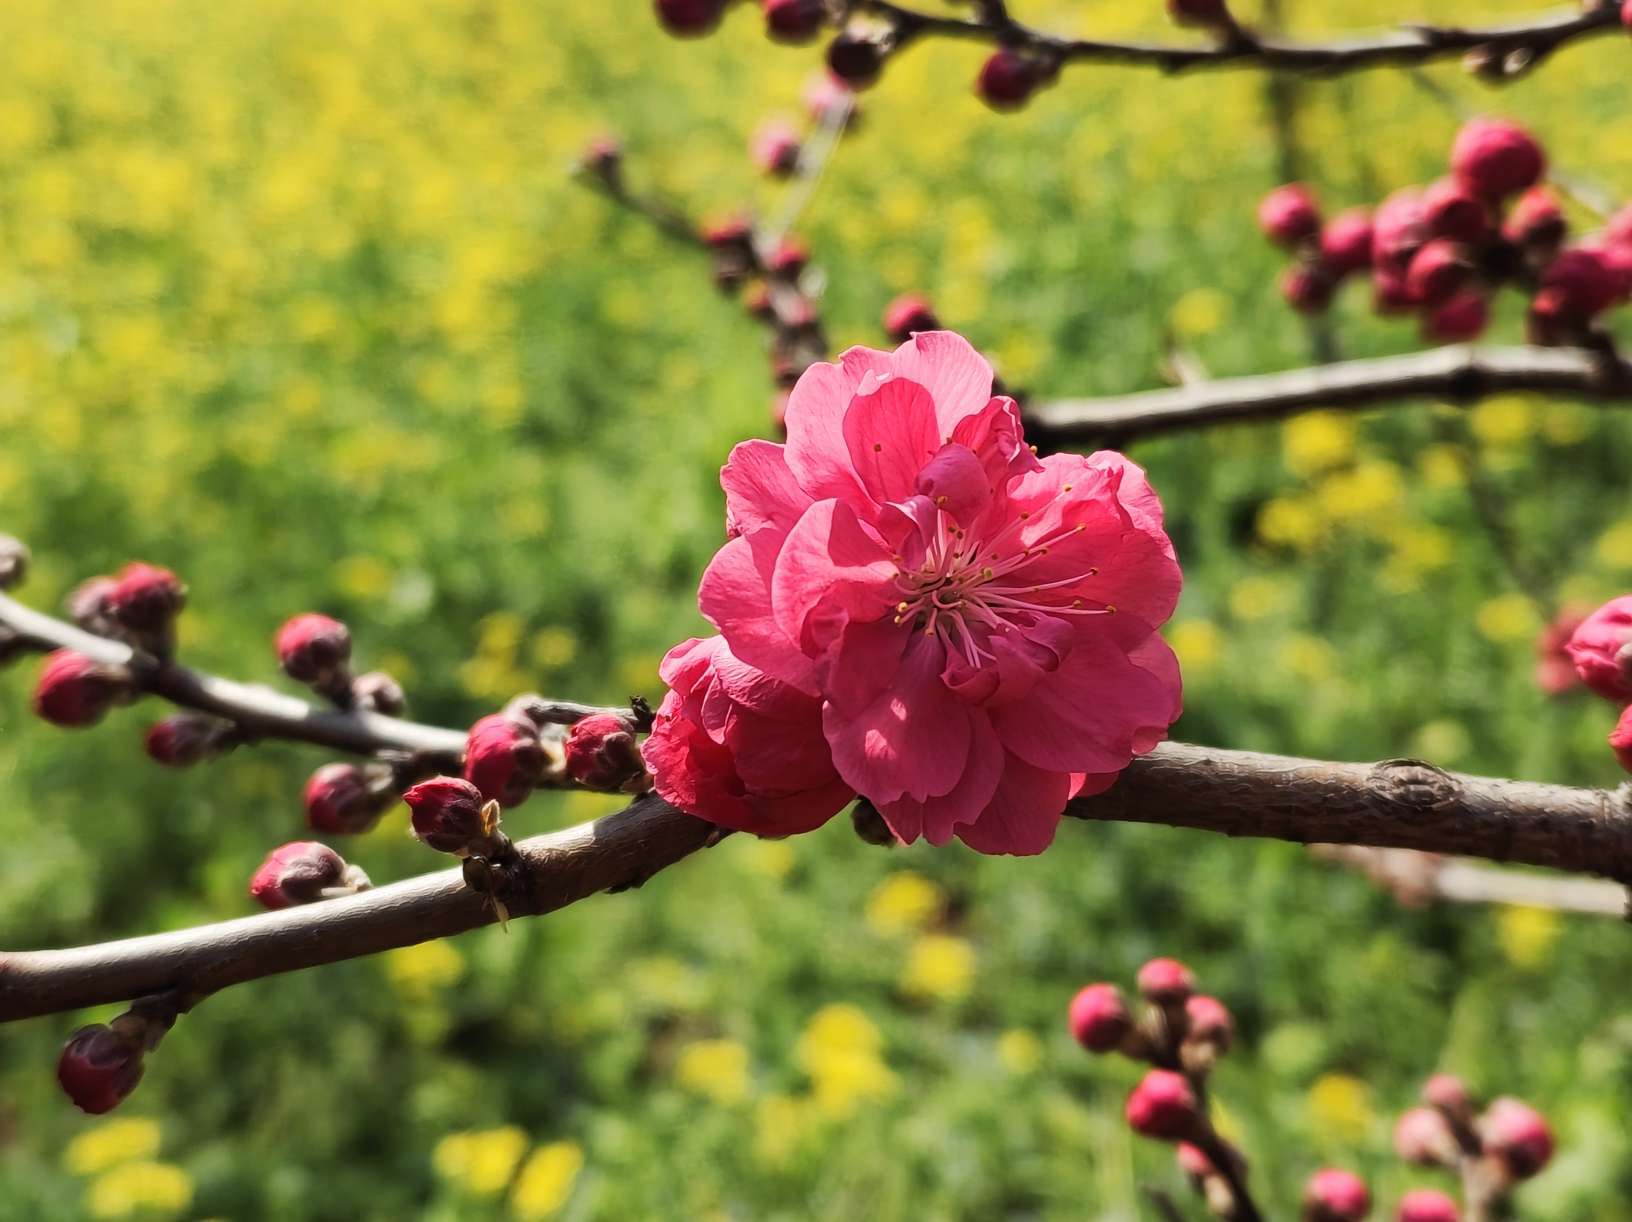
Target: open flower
<point x="977" y="627"/>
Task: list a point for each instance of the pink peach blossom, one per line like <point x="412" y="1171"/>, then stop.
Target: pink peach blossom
<point x="976" y="627"/>
<point x="1599" y="650"/>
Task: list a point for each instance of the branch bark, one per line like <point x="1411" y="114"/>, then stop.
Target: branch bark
<point x="1457" y="374"/>
<point x="1396" y="803"/>
<point x="1511" y="48"/>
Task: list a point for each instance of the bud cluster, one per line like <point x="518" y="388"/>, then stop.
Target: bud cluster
<point x="1493" y="1150"/>
<point x="1442" y="251"/>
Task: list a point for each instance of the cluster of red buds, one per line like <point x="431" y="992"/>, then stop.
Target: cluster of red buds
<point x="1442" y="251"/>
<point x="1181" y="1034"/>
<point x="1600" y="649"/>
<point x="1492" y="1151"/>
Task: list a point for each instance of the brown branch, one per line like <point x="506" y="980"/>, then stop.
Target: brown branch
<point x="1392" y="804"/>
<point x="1417" y="878"/>
<point x="1457" y="374"/>
<point x="1504" y="50"/>
<point x="262" y="711"/>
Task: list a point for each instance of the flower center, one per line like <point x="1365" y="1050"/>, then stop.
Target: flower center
<point x="968" y="588"/>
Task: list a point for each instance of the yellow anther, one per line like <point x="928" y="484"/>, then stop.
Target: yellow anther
<point x="1093" y="571"/>
<point x="1065" y="487"/>
<point x="901" y="606"/>
<point x="1111" y="608"/>
<point x="1076" y="602"/>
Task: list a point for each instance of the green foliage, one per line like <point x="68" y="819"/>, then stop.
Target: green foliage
<point x="297" y="299"/>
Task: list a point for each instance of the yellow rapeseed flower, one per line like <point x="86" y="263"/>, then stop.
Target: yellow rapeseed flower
<point x="839" y="1051"/>
<point x="1309" y="658"/>
<point x="547" y="1179"/>
<point x="122" y="1140"/>
<point x="939" y="967"/>
<point x="780" y="1125"/>
<point x="715" y="1069"/>
<point x="1527" y="935"/>
<point x="1317" y="442"/>
<point x="1340" y="1108"/>
<point x="1199" y="644"/>
<point x="1199" y="312"/>
<point x="1507" y="618"/>
<point x="1254" y="598"/>
<point x="1290" y="521"/>
<point x="419" y="972"/>
<point x="1367" y="495"/>
<point x="1019" y="1050"/>
<point x="143" y="1188"/>
<point x="1503" y="420"/>
<point x="1443" y="465"/>
<point x="480" y="1161"/>
<point x="1614" y="548"/>
<point x="905" y="902"/>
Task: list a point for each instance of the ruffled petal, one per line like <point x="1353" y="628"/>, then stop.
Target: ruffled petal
<point x="955" y="481"/>
<point x="936" y="818"/>
<point x="760" y="491"/>
<point x="1023" y="814"/>
<point x="957" y="377"/>
<point x="816" y="453"/>
<point x="891" y="434"/>
<point x="830" y="562"/>
<point x="735" y="596"/>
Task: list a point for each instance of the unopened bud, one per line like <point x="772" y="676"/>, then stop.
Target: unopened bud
<point x="449" y="815"/>
<point x="345" y="799"/>
<point x="1208" y="1021"/>
<point x="1193" y="1161"/>
<point x="907" y="314"/>
<point x="788" y="259"/>
<point x="826" y="97"/>
<point x="1099" y="1017"/>
<point x="1163" y="1106"/>
<point x="1289" y="215"/>
<point x="1165" y="982"/>
<point x="1010" y="76"/>
<point x="1438" y="271"/>
<point x="74" y="691"/>
<point x="1427" y="1205"/>
<point x="1452" y="210"/>
<point x="504" y="759"/>
<point x="869" y="825"/>
<point x="1457" y="320"/>
<point x="1200" y="12"/>
<point x="145" y="598"/>
<point x="1449" y="1094"/>
<point x="857" y="57"/>
<point x="793" y="21"/>
<point x="1345" y="242"/>
<point x="601" y="753"/>
<point x="379" y="692"/>
<point x="1516" y="1136"/>
<point x="689" y="18"/>
<point x="1536" y="221"/>
<point x="1423" y="1136"/>
<point x="1308" y="287"/>
<point x="184" y="739"/>
<point x="100" y="1066"/>
<point x="1335" y="1195"/>
<point x="603" y="157"/>
<point x="313" y="648"/>
<point x="14" y="557"/>
<point x="775" y="148"/>
<point x="1494" y="158"/>
<point x="87" y="606"/>
<point x="304" y="872"/>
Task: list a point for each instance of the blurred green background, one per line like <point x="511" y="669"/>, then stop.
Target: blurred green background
<point x="298" y="299"/>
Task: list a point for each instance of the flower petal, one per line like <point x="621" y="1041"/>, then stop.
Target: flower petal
<point x="816" y="453"/>
<point x="955" y="481"/>
<point x="735" y="596"/>
<point x="936" y="818"/>
<point x="891" y="435"/>
<point x="957" y="377"/>
<point x="830" y="563"/>
<point x="760" y="491"/>
<point x="1023" y="814"/>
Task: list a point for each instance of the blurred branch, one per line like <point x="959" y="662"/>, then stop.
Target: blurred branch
<point x="1418" y="878"/>
<point x="1458" y="374"/>
<point x="1502" y="51"/>
<point x="1396" y="803"/>
<point x="262" y="712"/>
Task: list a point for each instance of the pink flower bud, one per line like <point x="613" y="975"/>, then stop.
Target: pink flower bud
<point x="728" y="231"/>
<point x="1010" y="76"/>
<point x="788" y="259"/>
<point x="378" y="691"/>
<point x="1335" y="1195"/>
<point x="183" y="739"/>
<point x="1398" y="229"/>
<point x="447" y="815"/>
<point x="1599" y="650"/>
<point x="301" y="873"/>
<point x="1289" y="215"/>
<point x="1163" y="1106"/>
<point x="1200" y="12"/>
<point x="74" y="691"/>
<point x="99" y="1067"/>
<point x="689" y="18"/>
<point x="1626" y="15"/>
<point x="312" y="647"/>
<point x="87" y="606"/>
<point x="1516" y="1135"/>
<point x="826" y="95"/>
<point x="793" y="21"/>
<point x="1427" y="1205"/>
<point x="1165" y="982"/>
<point x="1207" y="1020"/>
<point x="1423" y="1136"/>
<point x="1193" y="1160"/>
<point x="1448" y="1093"/>
<point x="145" y="598"/>
<point x="1099" y="1017"/>
<point x="1389" y="292"/>
<point x="1438" y="271"/>
<point x="1618" y="229"/>
<point x="1345" y="242"/>
<point x="1620" y="739"/>
<point x="1536" y="221"/>
<point x="1585" y="281"/>
<point x="775" y="148"/>
<point x="601" y="753"/>
<point x="14" y="557"/>
<point x="1307" y="287"/>
<point x="1462" y="318"/>
<point x="855" y="58"/>
<point x="603" y="156"/>
<point x="1494" y="158"/>
<point x="345" y="799"/>
<point x="504" y="759"/>
<point x="1451" y="210"/>
<point x="908" y="313"/>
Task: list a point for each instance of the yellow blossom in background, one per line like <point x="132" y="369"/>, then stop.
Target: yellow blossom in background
<point x="1507" y="618"/>
<point x="774" y="859"/>
<point x="1198" y="643"/>
<point x="1441" y="742"/>
<point x="839" y="1051"/>
<point x="1317" y="442"/>
<point x="665" y="981"/>
<point x="1290" y="521"/>
<point x="553" y="647"/>
<point x="144" y="1189"/>
<point x="547" y="1179"/>
<point x="420" y="972"/>
<point x="715" y="1069"/>
<point x="940" y="967"/>
<point x="1503" y="420"/>
<point x="480" y="1161"/>
<point x="1257" y="597"/>
<point x="1199" y="312"/>
<point x="1340" y="1108"/>
<point x="1566" y="424"/>
<point x="1309" y="658"/>
<point x="1019" y="1050"/>
<point x="1443" y="465"/>
<point x="123" y="1140"/>
<point x="905" y="902"/>
<point x="1418" y="550"/>
<point x="1526" y="935"/>
<point x="1614" y="547"/>
<point x="1368" y="495"/>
